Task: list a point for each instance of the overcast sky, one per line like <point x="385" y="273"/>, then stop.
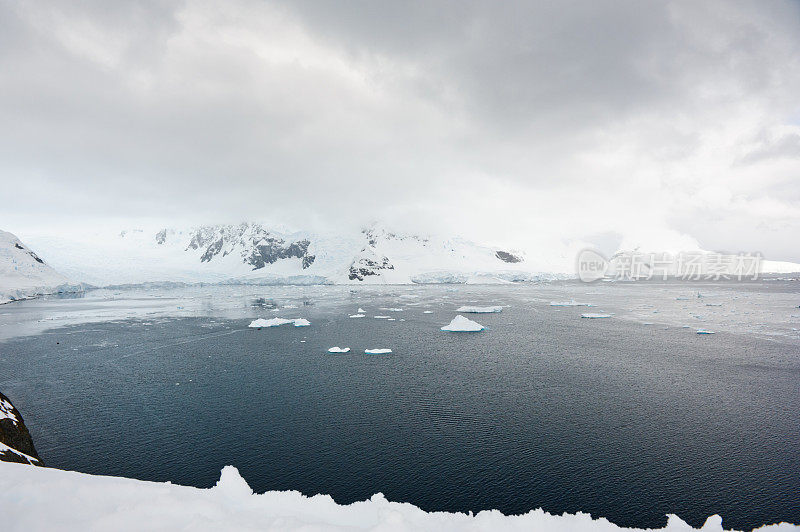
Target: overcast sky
<point x="665" y="124"/>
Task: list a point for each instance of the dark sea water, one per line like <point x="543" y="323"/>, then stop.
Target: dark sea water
<point x="628" y="418"/>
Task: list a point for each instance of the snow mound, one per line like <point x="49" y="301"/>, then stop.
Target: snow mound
<point x="592" y="315"/>
<point x="462" y="324"/>
<point x="377" y="351"/>
<point x="479" y="310"/>
<point x="339" y="350"/>
<point x="276" y="322"/>
<point x="122" y="504"/>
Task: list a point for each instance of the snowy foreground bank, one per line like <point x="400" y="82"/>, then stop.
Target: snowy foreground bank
<point x="37" y="498"/>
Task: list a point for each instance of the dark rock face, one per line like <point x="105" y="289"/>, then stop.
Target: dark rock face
<point x="257" y="246"/>
<point x="505" y="256"/>
<point x="365" y="267"/>
<point x="29" y="252"/>
<point x="14" y="434"/>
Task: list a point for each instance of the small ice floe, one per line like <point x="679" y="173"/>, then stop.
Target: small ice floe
<point x="391" y="309"/>
<point x="337" y="349"/>
<point x="357" y="315"/>
<point x="276" y="322"/>
<point x="593" y="315"/>
<point x="462" y="324"/>
<point x="427" y="312"/>
<point x="381" y="317"/>
<point x="391" y="319"/>
<point x="570" y="303"/>
<point x="479" y="310"/>
<point x="360" y="310"/>
<point x="713" y="304"/>
<point x="377" y="351"/>
<point x="704" y="331"/>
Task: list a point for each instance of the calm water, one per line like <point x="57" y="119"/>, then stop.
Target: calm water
<point x="629" y="418"/>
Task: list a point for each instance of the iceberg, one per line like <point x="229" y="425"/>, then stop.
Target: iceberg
<point x="360" y="310"/>
<point x="339" y="350"/>
<point x="462" y="324"/>
<point x="276" y="322"/>
<point x="592" y="315"/>
<point x="377" y="351"/>
<point x="480" y="310"/>
<point x="357" y="315"/>
<point x="704" y="331"/>
<point x="381" y="317"/>
<point x="427" y="312"/>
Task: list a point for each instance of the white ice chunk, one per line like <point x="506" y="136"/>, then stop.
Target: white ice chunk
<point x="427" y="312"/>
<point x="338" y="350"/>
<point x="479" y="310"/>
<point x="276" y="322"/>
<point x="357" y="315"/>
<point x="592" y="315"/>
<point x="377" y="351"/>
<point x="704" y="331"/>
<point x="462" y="324"/>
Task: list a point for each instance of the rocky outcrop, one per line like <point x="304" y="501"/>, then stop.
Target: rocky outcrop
<point x="256" y="245"/>
<point x="505" y="256"/>
<point x="16" y="444"/>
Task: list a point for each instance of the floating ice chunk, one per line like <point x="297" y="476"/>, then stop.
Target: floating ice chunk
<point x="377" y="351"/>
<point x="391" y="319"/>
<point x="275" y="322"/>
<point x="592" y="315"/>
<point x="381" y="317"/>
<point x="357" y="315"/>
<point x="462" y="324"/>
<point x="479" y="310"/>
<point x="392" y="309"/>
<point x="570" y="303"/>
<point x="713" y="304"/>
<point x="427" y="312"/>
<point x="337" y="349"/>
<point x="704" y="331"/>
<point x="360" y="310"/>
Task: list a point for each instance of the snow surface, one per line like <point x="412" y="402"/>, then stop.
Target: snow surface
<point x="462" y="324"/>
<point x="377" y="351"/>
<point x="479" y="310"/>
<point x="38" y="498"/>
<point x="339" y="350"/>
<point x="276" y="322"/>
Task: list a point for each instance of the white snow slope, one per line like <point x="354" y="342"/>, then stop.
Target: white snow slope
<point x="23" y="274"/>
<point x="37" y="498"/>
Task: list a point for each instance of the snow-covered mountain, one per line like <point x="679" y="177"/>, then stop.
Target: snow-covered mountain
<point x="254" y="253"/>
<point x="24" y="274"/>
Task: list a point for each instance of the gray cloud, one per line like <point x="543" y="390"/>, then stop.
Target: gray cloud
<point x="516" y="120"/>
